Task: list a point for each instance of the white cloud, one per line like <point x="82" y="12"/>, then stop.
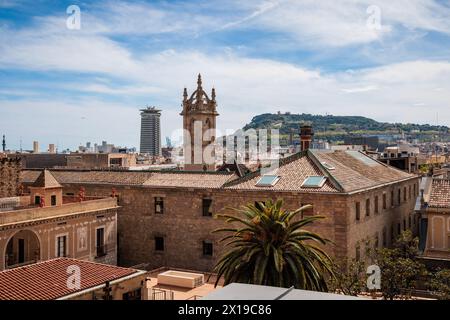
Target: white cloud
<point x="411" y="91"/>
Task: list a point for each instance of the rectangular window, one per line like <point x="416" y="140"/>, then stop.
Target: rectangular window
<point x="399" y="196"/>
<point x="384" y="201"/>
<point x="399" y="228"/>
<point x="207" y="248"/>
<point x="384" y="238"/>
<point x="258" y="205"/>
<point x="404" y="224"/>
<point x="100" y="242"/>
<point x="410" y="192"/>
<point x="53" y="200"/>
<point x="358" y="211"/>
<point x="392" y="198"/>
<point x="61" y="246"/>
<point x="159" y="205"/>
<point x="409" y="222"/>
<point x="132" y="295"/>
<point x="376" y="204"/>
<point x="159" y="244"/>
<point x="404" y="194"/>
<point x="206" y="204"/>
<point x="37" y="200"/>
<point x="367" y="207"/>
<point x="392" y="234"/>
<point x="308" y="212"/>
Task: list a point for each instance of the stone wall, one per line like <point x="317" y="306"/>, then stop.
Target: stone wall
<point x="184" y="228"/>
<point x="9" y="177"/>
<point x="79" y="226"/>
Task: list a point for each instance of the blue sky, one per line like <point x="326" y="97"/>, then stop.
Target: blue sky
<point x="388" y="60"/>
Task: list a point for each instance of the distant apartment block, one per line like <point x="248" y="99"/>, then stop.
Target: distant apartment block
<point x="150" y="131"/>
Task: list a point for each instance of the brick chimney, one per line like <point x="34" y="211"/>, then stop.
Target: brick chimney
<point x="306" y="135"/>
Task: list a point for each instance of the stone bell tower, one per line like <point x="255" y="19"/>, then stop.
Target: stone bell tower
<point x="199" y="124"/>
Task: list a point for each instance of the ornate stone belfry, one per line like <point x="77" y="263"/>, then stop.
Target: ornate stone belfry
<point x="199" y="122"/>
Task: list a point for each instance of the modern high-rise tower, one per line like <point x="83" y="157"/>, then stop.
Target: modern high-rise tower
<point x="150" y="131"/>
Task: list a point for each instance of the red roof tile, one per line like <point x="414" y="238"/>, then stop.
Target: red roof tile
<point x="48" y="280"/>
<point x="440" y="194"/>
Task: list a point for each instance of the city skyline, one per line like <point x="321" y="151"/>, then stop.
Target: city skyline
<point x="73" y="86"/>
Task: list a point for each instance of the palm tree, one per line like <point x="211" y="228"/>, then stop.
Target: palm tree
<point x="270" y="248"/>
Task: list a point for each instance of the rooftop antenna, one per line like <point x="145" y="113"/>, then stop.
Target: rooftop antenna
<point x="4" y="143"/>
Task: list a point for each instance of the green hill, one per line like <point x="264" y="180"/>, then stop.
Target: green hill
<point x="335" y="128"/>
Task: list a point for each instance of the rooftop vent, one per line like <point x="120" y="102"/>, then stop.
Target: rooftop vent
<point x="314" y="182"/>
<point x="267" y="181"/>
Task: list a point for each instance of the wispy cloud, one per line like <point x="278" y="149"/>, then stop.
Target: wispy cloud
<point x="104" y="75"/>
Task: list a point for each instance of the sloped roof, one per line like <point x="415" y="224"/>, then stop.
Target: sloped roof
<point x="48" y="280"/>
<point x="46" y="180"/>
<point x="147" y="178"/>
<point x="346" y="172"/>
<point x="355" y="170"/>
<point x="190" y="180"/>
<point x="293" y="171"/>
<point x="440" y="194"/>
<point x="350" y="172"/>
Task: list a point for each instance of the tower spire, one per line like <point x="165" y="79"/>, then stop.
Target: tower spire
<point x="199" y="81"/>
<point x="4" y="143"/>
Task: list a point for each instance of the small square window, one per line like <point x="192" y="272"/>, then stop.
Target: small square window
<point x="159" y="244"/>
<point x="308" y="212"/>
<point x="358" y="211"/>
<point x="314" y="182"/>
<point x="267" y="181"/>
<point x="259" y="205"/>
<point x="207" y="248"/>
<point x="53" y="200"/>
<point x="206" y="204"/>
<point x="159" y="205"/>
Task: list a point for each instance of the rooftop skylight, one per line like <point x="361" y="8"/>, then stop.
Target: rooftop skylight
<point x="328" y="166"/>
<point x="363" y="158"/>
<point x="267" y="181"/>
<point x="314" y="182"/>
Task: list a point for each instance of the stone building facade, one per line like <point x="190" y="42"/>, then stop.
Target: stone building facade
<point x="51" y="225"/>
<point x="166" y="218"/>
<point x="434" y="213"/>
<point x="9" y="177"/>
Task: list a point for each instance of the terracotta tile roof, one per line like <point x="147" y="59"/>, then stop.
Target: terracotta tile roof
<point x="29" y="176"/>
<point x="351" y="172"/>
<point x="48" y="280"/>
<point x="190" y="180"/>
<point x="293" y="171"/>
<point x="46" y="180"/>
<point x="92" y="177"/>
<point x="354" y="174"/>
<point x="147" y="178"/>
<point x="440" y="194"/>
